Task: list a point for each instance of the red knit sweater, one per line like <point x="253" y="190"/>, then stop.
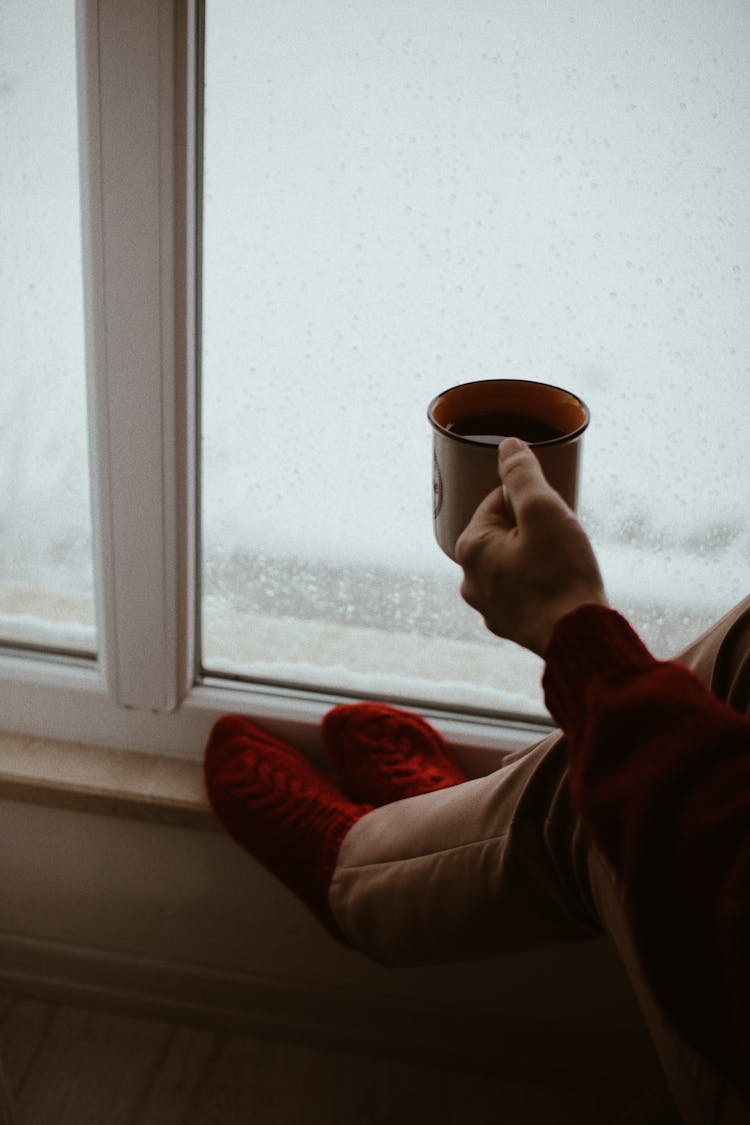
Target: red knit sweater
<point x="660" y="773"/>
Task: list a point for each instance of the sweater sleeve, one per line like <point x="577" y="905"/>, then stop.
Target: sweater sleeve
<point x="660" y="773"/>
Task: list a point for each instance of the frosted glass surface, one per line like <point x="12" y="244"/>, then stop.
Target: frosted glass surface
<point x="400" y="197"/>
<point x="45" y="534"/>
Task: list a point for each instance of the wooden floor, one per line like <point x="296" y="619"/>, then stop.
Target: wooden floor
<point x="71" y="1066"/>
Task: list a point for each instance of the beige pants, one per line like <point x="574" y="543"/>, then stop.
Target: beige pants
<point x="501" y="864"/>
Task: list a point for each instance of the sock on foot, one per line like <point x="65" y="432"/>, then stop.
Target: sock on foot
<point x="383" y="754"/>
<point x="280" y="808"/>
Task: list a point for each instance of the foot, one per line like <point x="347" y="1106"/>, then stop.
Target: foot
<point x="280" y="808"/>
<point x="384" y="754"/>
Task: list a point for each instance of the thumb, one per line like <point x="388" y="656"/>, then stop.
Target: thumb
<point x="521" y="475"/>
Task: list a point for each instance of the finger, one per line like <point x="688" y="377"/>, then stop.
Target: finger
<point x="522" y="476"/>
<point x="489" y="520"/>
<point x="492" y="511"/>
<point x="508" y="504"/>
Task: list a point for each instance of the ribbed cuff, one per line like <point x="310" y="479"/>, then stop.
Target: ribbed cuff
<point x="592" y="644"/>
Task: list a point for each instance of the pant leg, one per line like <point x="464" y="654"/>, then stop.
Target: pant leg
<point x="503" y="864"/>
<point x="721" y="658"/>
<point x="494" y="865"/>
<point x="498" y="864"/>
<point x="701" y="1094"/>
<point x="6" y="1101"/>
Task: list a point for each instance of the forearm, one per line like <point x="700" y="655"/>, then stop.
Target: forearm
<point x="660" y="773"/>
<point x="639" y="730"/>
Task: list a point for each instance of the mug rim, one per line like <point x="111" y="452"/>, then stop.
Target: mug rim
<point x="563" y="439"/>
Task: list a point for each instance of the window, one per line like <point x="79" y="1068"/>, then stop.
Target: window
<point x="400" y="199"/>
<point x="393" y="200"/>
<point x="46" y="579"/>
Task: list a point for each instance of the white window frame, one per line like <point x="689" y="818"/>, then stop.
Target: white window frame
<point x="139" y="99"/>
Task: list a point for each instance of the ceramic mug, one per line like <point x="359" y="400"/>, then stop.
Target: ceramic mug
<point x="468" y="423"/>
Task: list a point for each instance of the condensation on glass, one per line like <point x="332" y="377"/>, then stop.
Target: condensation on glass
<point x="402" y="197"/>
<point x="45" y="534"/>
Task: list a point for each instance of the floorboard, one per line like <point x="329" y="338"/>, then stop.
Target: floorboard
<point x="71" y="1066"/>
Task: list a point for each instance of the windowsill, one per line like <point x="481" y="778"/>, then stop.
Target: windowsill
<point x="97" y="779"/>
<point x="153" y="787"/>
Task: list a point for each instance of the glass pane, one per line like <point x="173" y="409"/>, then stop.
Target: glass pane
<point x="402" y="197"/>
<point x="45" y="533"/>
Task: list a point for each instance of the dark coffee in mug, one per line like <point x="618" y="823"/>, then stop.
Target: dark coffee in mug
<point x="490" y="428"/>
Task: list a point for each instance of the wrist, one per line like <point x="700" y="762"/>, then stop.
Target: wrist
<point x="560" y="609"/>
<point x="588" y="648"/>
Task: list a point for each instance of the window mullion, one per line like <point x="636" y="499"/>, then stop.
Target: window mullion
<point x="138" y="204"/>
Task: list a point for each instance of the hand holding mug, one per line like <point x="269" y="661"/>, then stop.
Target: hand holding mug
<point x="525" y="569"/>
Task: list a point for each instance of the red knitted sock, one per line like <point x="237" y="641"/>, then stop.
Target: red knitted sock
<point x="383" y="754"/>
<point x="280" y="808"/>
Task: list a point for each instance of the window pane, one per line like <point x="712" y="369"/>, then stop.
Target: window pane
<point x="45" y="534"/>
<point x="402" y="197"/>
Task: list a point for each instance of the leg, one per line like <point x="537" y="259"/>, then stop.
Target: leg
<point x="6" y="1101"/>
<point x="721" y="658"/>
<point x="702" y="1096"/>
<point x="500" y="863"/>
<point x="491" y="866"/>
<point x="495" y="865"/>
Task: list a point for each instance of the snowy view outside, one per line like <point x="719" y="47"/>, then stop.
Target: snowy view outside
<point x="400" y="197"/>
<point x="45" y="534"/>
